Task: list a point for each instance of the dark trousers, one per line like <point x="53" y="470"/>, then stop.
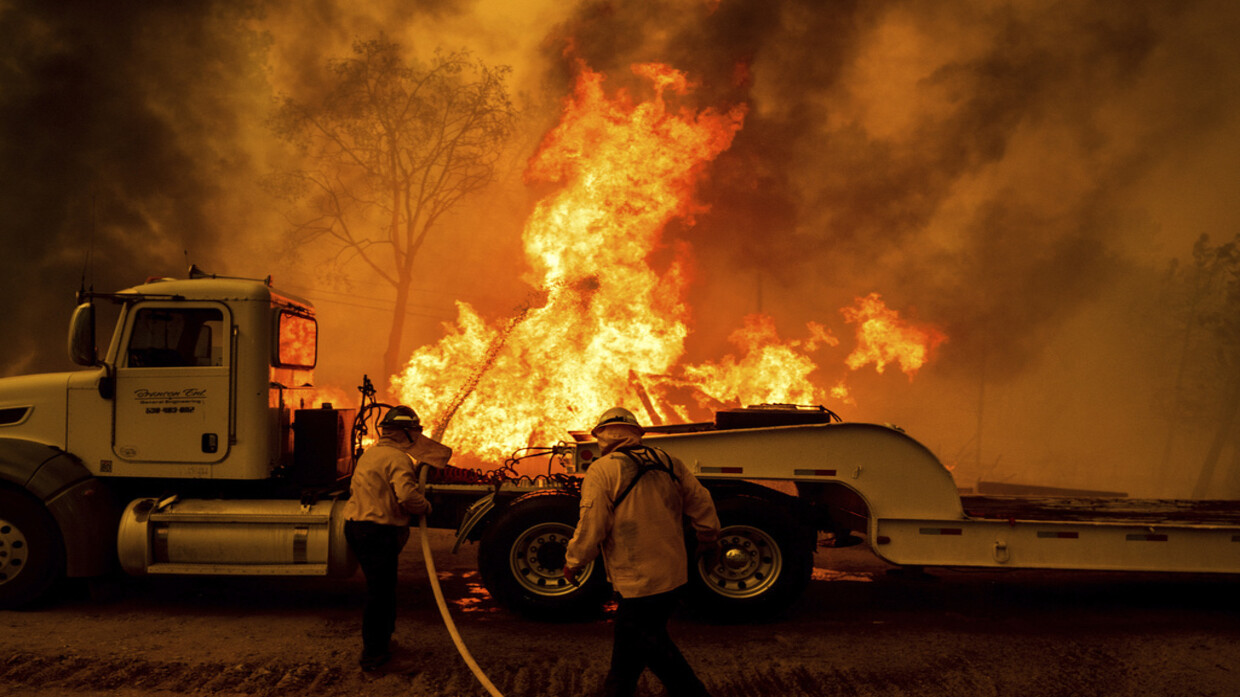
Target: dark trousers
<point x="377" y="548"/>
<point x="642" y="642"/>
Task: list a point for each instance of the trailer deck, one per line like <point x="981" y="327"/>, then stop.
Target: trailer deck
<point x="1111" y="510"/>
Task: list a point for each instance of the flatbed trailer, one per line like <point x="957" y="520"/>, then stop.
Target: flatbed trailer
<point x="787" y="480"/>
<point x="906" y="502"/>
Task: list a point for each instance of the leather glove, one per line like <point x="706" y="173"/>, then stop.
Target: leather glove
<point x="710" y="553"/>
<point x="570" y="575"/>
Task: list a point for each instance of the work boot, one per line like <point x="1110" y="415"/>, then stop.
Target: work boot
<point x="373" y="660"/>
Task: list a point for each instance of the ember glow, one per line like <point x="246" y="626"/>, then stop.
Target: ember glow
<point x="605" y="327"/>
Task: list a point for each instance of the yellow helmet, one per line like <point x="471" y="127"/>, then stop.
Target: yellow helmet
<point x="617" y="416"/>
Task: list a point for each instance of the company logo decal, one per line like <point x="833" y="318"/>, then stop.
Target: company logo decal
<point x="182" y="401"/>
<point x="189" y="393"/>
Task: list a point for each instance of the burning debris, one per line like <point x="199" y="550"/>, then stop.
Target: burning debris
<point x="612" y="327"/>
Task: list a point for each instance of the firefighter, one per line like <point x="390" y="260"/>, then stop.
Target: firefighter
<point x="383" y="498"/>
<point x="634" y="500"/>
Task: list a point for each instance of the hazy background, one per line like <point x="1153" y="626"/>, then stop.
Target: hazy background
<point x="1018" y="174"/>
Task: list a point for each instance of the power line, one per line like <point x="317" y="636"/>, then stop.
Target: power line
<point x="331" y="301"/>
<point x="454" y="296"/>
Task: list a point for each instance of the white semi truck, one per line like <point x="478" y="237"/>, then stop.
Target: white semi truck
<point x="184" y="449"/>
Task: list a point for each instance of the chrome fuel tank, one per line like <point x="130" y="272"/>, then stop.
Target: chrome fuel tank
<point x="229" y="537"/>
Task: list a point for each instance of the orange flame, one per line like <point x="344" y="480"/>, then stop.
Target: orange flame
<point x="604" y="314"/>
<point x="770" y="372"/>
<point x="883" y="337"/>
<point x="604" y="327"/>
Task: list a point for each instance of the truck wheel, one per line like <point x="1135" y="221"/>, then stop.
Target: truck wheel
<point x="763" y="564"/>
<point x="32" y="555"/>
<point x="521" y="559"/>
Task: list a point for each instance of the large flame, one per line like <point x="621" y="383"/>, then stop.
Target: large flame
<point x="603" y="314"/>
<point x="604" y="327"/>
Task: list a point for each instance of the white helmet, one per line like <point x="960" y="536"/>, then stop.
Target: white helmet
<point x="401" y="418"/>
<point x="617" y="416"/>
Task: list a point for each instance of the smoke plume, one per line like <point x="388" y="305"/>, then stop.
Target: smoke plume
<point x="1016" y="173"/>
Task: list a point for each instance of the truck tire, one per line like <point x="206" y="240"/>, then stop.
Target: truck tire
<point x="764" y="564"/>
<point x="521" y="559"/>
<point x="32" y="555"/>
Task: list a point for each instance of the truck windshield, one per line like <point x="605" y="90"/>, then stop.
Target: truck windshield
<point x="177" y="337"/>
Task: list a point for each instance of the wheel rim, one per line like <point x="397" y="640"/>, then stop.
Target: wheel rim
<point x="13" y="551"/>
<point x="749" y="563"/>
<point x="537" y="560"/>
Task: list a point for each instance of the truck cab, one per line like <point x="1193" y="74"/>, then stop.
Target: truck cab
<point x="196" y="383"/>
<point x="196" y="395"/>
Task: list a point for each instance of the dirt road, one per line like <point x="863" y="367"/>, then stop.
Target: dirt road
<point x="859" y="630"/>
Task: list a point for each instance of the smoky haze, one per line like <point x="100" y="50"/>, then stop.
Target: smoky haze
<point x="124" y="154"/>
<point x="1017" y="174"/>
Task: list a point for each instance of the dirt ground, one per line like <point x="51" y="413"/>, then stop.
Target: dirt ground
<point x="860" y="629"/>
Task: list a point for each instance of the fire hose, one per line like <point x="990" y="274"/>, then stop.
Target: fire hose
<point x="443" y="606"/>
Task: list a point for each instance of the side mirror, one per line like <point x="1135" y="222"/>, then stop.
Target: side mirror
<point x="82" y="349"/>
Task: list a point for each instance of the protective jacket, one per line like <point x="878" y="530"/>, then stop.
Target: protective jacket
<point x="641" y="539"/>
<point x="384" y="489"/>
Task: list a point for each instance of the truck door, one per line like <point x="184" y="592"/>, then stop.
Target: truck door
<point x="173" y="388"/>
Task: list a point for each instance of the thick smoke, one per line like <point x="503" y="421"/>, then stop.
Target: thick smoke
<point x="123" y="146"/>
<point x="1017" y="173"/>
<point x="135" y="142"/>
<point x="970" y="160"/>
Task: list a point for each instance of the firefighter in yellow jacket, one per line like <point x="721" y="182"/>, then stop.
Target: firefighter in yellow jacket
<point x="383" y="498"/>
<point x="634" y="500"/>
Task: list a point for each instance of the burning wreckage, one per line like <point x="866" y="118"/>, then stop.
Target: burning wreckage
<point x="183" y="450"/>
